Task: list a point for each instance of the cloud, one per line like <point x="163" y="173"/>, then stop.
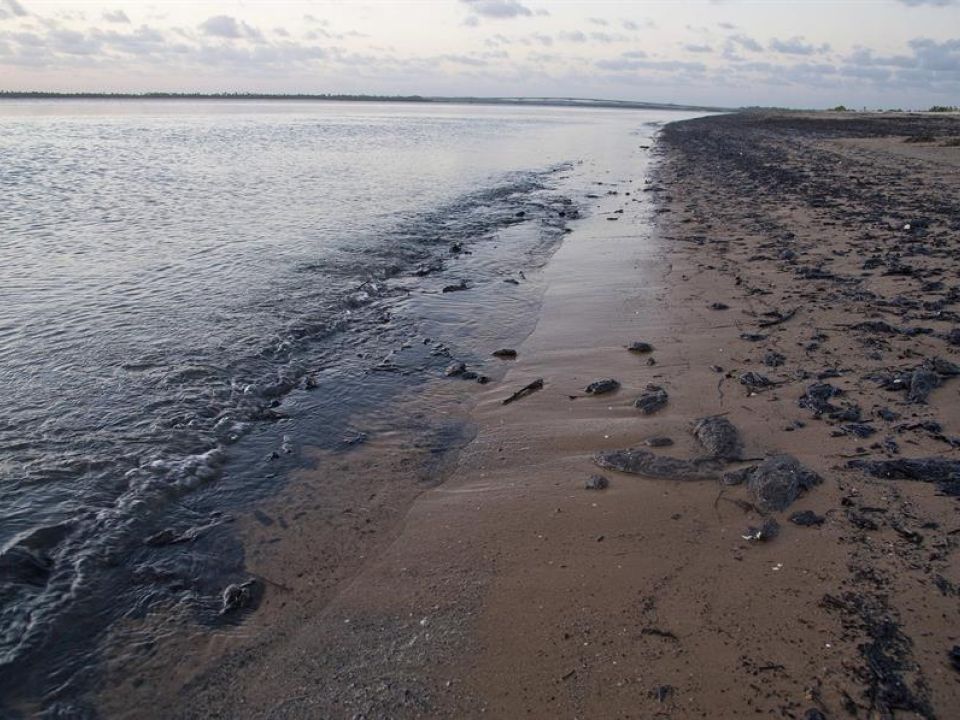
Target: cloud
<point x="937" y="3"/>
<point x="930" y="69"/>
<point x="72" y="42"/>
<point x="321" y="32"/>
<point x="624" y="63"/>
<point x="607" y="38"/>
<point x="942" y="57"/>
<point x="116" y="16"/>
<point x="224" y="26"/>
<point x="634" y="25"/>
<point x="142" y="41"/>
<point x="463" y="60"/>
<point x="928" y="57"/>
<point x="71" y="48"/>
<point x="498" y="8"/>
<point x="530" y="58"/>
<point x="13" y="7"/>
<point x="796" y="46"/>
<point x="575" y="37"/>
<point x="746" y="42"/>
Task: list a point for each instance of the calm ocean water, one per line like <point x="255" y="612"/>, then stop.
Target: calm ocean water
<point x="190" y="290"/>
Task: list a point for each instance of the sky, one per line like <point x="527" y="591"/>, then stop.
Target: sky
<point x="859" y="53"/>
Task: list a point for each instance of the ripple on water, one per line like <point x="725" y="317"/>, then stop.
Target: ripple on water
<point x="175" y="279"/>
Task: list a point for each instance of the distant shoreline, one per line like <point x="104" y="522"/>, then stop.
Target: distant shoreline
<point x="512" y="101"/>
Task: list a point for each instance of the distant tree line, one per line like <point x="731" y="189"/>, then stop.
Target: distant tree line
<point x="530" y="101"/>
<point x="41" y="95"/>
<point x="934" y="109"/>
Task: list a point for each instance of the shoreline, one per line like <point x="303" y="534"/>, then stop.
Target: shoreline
<point x="360" y="337"/>
<point x="511" y="590"/>
<point x="311" y="540"/>
<point x="416" y="99"/>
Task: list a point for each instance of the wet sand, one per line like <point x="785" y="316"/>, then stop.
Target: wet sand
<point x="509" y="590"/>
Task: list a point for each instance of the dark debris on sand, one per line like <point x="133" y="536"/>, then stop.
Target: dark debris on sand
<point x="886" y="295"/>
<point x="654" y="399"/>
<point x="942" y="472"/>
<point x="602" y="386"/>
<point x="637" y="461"/>
<point x="719" y="438"/>
<point x="778" y="481"/>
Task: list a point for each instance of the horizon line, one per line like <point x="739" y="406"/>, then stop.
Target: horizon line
<point x="362" y="97"/>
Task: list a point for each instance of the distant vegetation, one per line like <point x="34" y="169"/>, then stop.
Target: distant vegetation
<point x="34" y="95"/>
<point x="934" y="109"/>
<point x="523" y="101"/>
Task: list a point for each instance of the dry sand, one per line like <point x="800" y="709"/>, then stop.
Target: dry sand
<point x="511" y="591"/>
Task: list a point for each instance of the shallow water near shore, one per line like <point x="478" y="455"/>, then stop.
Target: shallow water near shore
<point x="195" y="292"/>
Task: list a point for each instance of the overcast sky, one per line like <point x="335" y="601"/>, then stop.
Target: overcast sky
<point x="875" y="53"/>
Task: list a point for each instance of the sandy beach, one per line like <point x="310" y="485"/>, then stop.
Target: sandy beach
<point x="796" y="279"/>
